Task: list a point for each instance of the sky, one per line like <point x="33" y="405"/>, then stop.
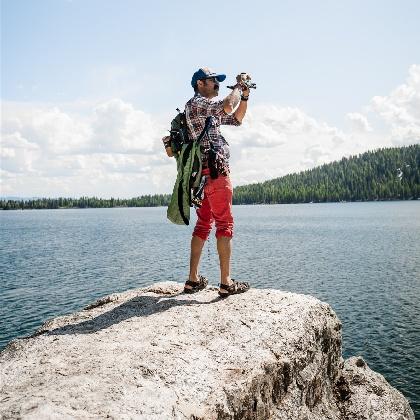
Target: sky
<point x="89" y="87"/>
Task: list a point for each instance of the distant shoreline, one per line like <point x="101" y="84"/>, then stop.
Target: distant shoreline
<point x="389" y="174"/>
<point x="235" y="204"/>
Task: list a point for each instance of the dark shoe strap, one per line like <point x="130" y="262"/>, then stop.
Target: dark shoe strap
<point x="191" y="283"/>
<point x="236" y="285"/>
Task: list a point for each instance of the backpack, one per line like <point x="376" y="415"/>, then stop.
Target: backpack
<point x="188" y="185"/>
<point x="178" y="132"/>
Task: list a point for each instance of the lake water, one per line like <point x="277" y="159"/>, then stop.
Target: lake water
<point x="361" y="258"/>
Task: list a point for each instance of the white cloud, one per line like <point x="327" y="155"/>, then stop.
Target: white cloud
<point x="274" y="141"/>
<point x="118" y="127"/>
<point x="359" y="122"/>
<point x="17" y="153"/>
<point x="113" y="149"/>
<point x="50" y="129"/>
<point x="400" y="110"/>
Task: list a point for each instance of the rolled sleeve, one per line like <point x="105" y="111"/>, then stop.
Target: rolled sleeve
<point x="229" y="119"/>
<point x="204" y="107"/>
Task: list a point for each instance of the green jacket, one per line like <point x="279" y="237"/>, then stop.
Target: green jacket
<point x="189" y="175"/>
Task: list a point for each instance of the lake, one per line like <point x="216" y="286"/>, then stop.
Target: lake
<point x="361" y="258"/>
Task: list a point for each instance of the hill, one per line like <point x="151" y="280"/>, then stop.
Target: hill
<point x="384" y="174"/>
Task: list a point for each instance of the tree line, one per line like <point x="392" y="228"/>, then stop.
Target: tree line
<point x="383" y="174"/>
<point x="86" y="202"/>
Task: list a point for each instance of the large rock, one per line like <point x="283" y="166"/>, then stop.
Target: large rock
<point x="156" y="353"/>
<point x="365" y="394"/>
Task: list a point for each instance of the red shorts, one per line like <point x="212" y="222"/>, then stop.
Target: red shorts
<point x="217" y="207"/>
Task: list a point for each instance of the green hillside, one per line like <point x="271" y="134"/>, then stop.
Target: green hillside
<point x="384" y="174"/>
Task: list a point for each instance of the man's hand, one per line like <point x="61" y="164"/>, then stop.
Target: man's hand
<point x="245" y="91"/>
<point x="242" y="80"/>
<point x="167" y="144"/>
<point x="234" y="98"/>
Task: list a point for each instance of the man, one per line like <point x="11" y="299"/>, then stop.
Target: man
<point x="217" y="202"/>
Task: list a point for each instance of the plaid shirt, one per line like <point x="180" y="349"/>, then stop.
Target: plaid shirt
<point x="197" y="109"/>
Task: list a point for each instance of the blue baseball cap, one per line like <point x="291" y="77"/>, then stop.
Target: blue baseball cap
<point x="205" y="73"/>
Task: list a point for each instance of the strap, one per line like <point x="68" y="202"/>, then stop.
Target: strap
<point x="227" y="286"/>
<point x="192" y="283"/>
<point x="201" y="186"/>
<point x="206" y="127"/>
<point x="180" y="185"/>
<point x="236" y="285"/>
<point x="201" y="280"/>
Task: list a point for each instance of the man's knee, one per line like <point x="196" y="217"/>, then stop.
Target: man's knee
<point x="224" y="229"/>
<point x="202" y="234"/>
<point x="202" y="230"/>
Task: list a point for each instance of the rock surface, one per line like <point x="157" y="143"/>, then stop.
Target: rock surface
<point x="367" y="395"/>
<point x="155" y="353"/>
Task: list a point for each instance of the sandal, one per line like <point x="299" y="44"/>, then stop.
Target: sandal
<point x="196" y="286"/>
<point x="233" y="289"/>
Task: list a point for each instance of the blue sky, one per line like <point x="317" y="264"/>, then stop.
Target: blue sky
<point x="324" y="59"/>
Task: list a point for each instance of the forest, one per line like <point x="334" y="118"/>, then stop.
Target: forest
<point x="384" y="174"/>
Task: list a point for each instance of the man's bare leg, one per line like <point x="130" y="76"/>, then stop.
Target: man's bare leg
<point x="224" y="248"/>
<point x="196" y="249"/>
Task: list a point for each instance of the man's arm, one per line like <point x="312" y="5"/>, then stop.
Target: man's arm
<point x="232" y="100"/>
<point x="243" y="105"/>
